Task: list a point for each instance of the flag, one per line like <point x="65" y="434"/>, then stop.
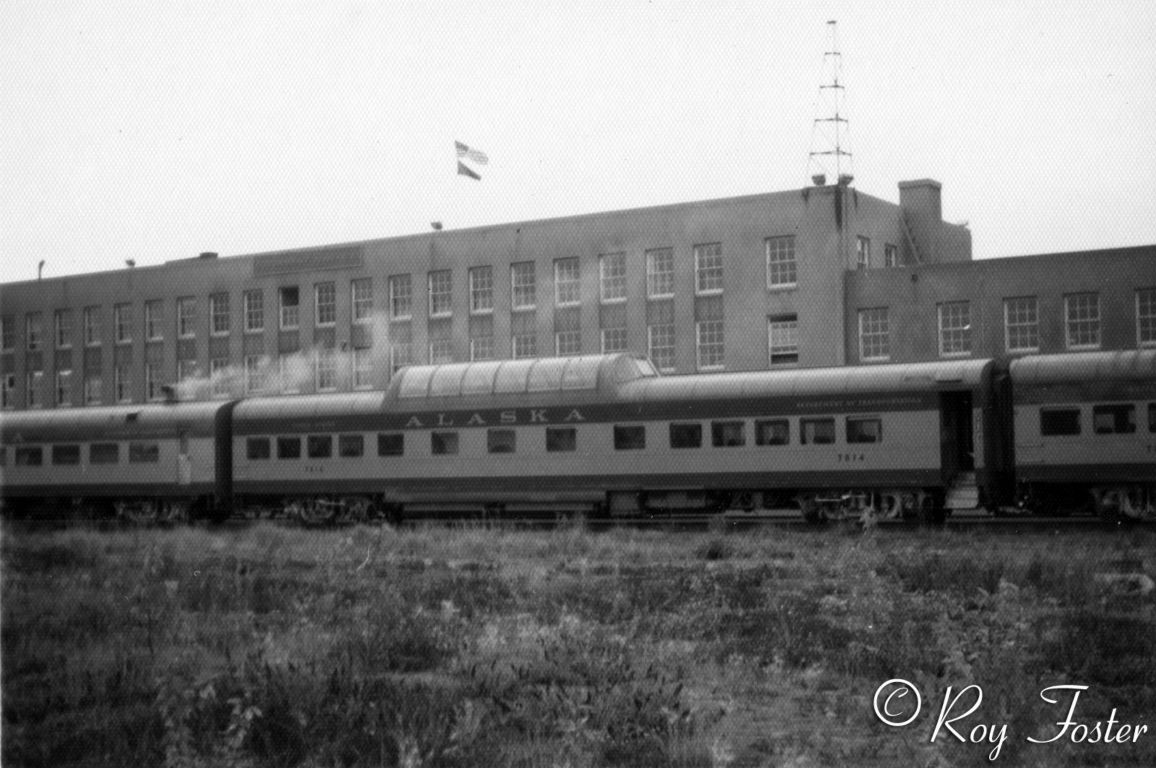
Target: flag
<point x="477" y="155"/>
<point x="464" y="170"/>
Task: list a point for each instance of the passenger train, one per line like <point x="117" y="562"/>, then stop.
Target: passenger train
<point x="608" y="436"/>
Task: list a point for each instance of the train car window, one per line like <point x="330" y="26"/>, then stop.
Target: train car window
<point x="686" y="435"/>
<point x="561" y="439"/>
<point x="66" y="454"/>
<point x="3" y="456"/>
<point x="103" y="453"/>
<point x="257" y="448"/>
<point x="288" y="447"/>
<point x="1114" y="419"/>
<point x="772" y="432"/>
<point x="144" y="453"/>
<point x="350" y="446"/>
<point x="1152" y="417"/>
<point x="443" y="443"/>
<point x="501" y="441"/>
<point x="319" y="446"/>
<point x="391" y="444"/>
<point x="861" y="430"/>
<point x="1059" y="421"/>
<point x="728" y="434"/>
<point x="28" y="456"/>
<point x="629" y="438"/>
<point x="817" y="431"/>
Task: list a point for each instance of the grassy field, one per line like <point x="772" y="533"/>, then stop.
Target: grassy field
<point x="269" y="646"/>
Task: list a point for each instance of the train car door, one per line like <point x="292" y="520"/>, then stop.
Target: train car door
<point x="184" y="462"/>
<point x="956" y="436"/>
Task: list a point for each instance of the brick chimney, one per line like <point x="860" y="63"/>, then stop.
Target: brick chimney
<point x="921" y="202"/>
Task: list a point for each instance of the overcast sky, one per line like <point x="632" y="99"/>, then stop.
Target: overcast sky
<point x="157" y="130"/>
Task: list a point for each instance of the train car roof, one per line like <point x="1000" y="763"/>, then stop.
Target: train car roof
<point x="309" y="407"/>
<point x="108" y="422"/>
<point x="1084" y="367"/>
<point x="601" y="373"/>
<point x="815" y="382"/>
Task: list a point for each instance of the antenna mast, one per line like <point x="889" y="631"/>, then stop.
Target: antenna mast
<point x="830" y="135"/>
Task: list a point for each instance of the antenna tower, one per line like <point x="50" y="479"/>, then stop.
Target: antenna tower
<point x="831" y="133"/>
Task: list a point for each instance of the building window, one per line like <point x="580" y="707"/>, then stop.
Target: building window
<point x="862" y="253"/>
<point x="92" y="390"/>
<point x="613" y="340"/>
<point x="219" y="376"/>
<point x="63" y="327"/>
<point x="567" y="343"/>
<point x="890" y="255"/>
<point x="33" y="330"/>
<point x="362" y="368"/>
<point x="63" y="388"/>
<point x="708" y="269"/>
<point x="122" y="323"/>
<point x="523" y="289"/>
<point x="186" y="317"/>
<point x="8" y="392"/>
<point x="709" y="337"/>
<point x="292" y="371"/>
<point x="324" y="304"/>
<point x="122" y="383"/>
<point x="187" y="370"/>
<point x="441" y="351"/>
<point x="612" y="277"/>
<point x="501" y="441"/>
<point x="33" y="381"/>
<point x="152" y="380"/>
<point x="400" y="297"/>
<point x="482" y="348"/>
<point x="874" y="334"/>
<point x="154" y="320"/>
<point x="289" y="302"/>
<point x="524" y="345"/>
<point x="1021" y="322"/>
<point x="326" y="370"/>
<point x="481" y="290"/>
<point x="783" y="335"/>
<point x="219" y="324"/>
<point x="567" y="283"/>
<point x="954" y="329"/>
<point x="1082" y="313"/>
<point x="7" y="333"/>
<point x="782" y="271"/>
<point x="660" y="346"/>
<point x="361" y="297"/>
<point x="254" y="306"/>
<point x="400" y="355"/>
<point x="91" y="326"/>
<point x="440" y="293"/>
<point x="660" y="273"/>
<point x="1146" y="317"/>
<point x="253" y="381"/>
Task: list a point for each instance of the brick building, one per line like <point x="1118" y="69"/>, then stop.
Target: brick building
<point x="810" y="277"/>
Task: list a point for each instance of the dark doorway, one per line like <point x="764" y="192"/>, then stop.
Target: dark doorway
<point x="956" y="440"/>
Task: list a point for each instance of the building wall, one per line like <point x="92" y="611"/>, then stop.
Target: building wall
<point x="914" y="294"/>
<point x="824" y="222"/>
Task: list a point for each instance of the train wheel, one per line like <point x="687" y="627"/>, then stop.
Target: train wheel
<point x="931" y="509"/>
<point x="317" y="512"/>
<point x="813" y="512"/>
<point x="142" y="512"/>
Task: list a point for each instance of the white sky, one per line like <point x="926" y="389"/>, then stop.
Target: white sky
<point x="157" y="130"/>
